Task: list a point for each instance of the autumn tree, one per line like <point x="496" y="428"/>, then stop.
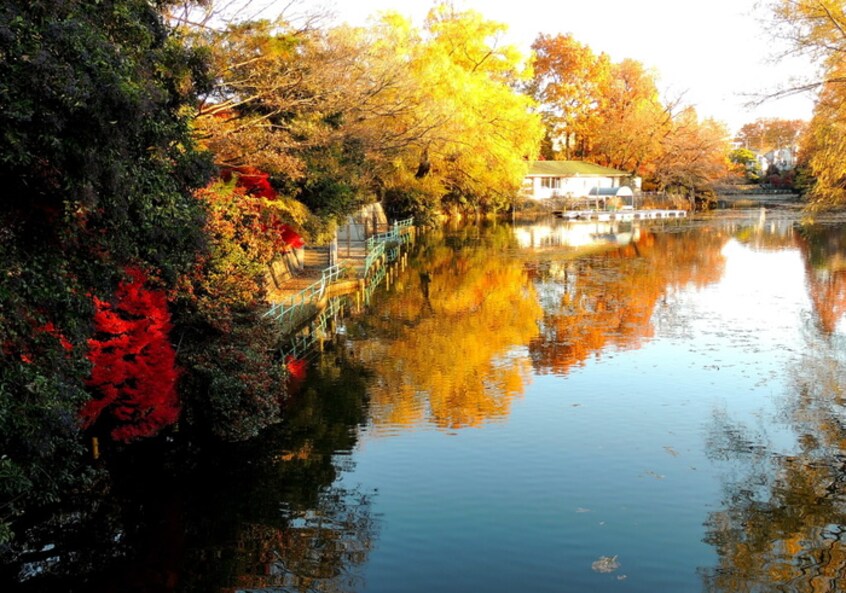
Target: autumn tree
<point x="345" y="115"/>
<point x="817" y="29"/>
<point x="234" y="382"/>
<point x="823" y="148"/>
<point x="613" y="114"/>
<point x="481" y="148"/>
<point x="571" y="84"/>
<point x="694" y="154"/>
<point x="265" y="100"/>
<point x="98" y="168"/>
<point x="766" y="134"/>
<point x="434" y="111"/>
<point x="635" y="121"/>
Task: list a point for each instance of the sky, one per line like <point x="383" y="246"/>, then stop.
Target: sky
<point x="716" y="52"/>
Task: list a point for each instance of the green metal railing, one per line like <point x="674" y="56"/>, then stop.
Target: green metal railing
<point x="375" y="251"/>
<point x="375" y="281"/>
<point x="285" y="311"/>
<point x="385" y="243"/>
<point x="293" y="312"/>
<point x="302" y="345"/>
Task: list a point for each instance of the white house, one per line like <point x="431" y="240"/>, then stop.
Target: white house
<point x="570" y="179"/>
<point x="783" y="158"/>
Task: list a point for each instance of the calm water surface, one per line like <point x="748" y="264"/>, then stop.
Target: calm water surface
<point x="584" y="407"/>
<point x="552" y="407"/>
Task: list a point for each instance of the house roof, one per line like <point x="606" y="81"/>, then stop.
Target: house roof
<point x="572" y="169"/>
<point x="623" y="191"/>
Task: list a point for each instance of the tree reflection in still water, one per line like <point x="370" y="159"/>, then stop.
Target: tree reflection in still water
<point x="783" y="523"/>
<point x="824" y="251"/>
<point x="608" y="300"/>
<point x="449" y="334"/>
<point x="300" y="530"/>
<point x="266" y="514"/>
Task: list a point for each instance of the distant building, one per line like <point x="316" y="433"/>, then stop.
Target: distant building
<point x="783" y="159"/>
<point x="572" y="179"/>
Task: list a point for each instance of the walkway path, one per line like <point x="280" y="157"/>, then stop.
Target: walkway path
<point x="300" y="297"/>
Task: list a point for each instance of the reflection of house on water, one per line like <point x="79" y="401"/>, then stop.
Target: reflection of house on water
<point x="576" y="234"/>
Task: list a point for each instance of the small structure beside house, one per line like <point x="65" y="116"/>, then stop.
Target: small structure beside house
<point x="620" y="197"/>
<point x="571" y="179"/>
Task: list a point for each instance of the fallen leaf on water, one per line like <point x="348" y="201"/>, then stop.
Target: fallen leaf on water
<point x="605" y="564"/>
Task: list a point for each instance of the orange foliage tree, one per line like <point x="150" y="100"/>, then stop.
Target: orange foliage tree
<point x="571" y="84"/>
<point x="612" y="114"/>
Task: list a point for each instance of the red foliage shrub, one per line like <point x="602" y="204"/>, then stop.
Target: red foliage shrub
<point x="290" y="237"/>
<point x="256" y="183"/>
<point x="134" y="365"/>
<point x="51" y="329"/>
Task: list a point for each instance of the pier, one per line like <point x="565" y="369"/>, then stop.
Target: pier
<point x="604" y="215"/>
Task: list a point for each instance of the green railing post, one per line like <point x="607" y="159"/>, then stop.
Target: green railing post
<point x="376" y="247"/>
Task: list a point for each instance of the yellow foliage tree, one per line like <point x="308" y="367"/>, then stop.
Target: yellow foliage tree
<point x="472" y="131"/>
<point x="392" y="110"/>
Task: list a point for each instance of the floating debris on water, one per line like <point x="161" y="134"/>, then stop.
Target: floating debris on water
<point x="671" y="451"/>
<point x="605" y="564"/>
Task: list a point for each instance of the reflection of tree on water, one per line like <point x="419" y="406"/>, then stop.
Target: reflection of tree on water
<point x="784" y="521"/>
<point x="763" y="230"/>
<point x="447" y="336"/>
<point x="608" y="299"/>
<point x="824" y="251"/>
<point x="425" y="281"/>
<point x="261" y="514"/>
<point x="315" y="533"/>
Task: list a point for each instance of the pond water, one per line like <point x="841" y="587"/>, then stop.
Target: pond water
<point x="552" y="407"/>
<point x="590" y="406"/>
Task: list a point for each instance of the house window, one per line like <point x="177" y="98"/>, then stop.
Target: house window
<point x="551" y="182"/>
